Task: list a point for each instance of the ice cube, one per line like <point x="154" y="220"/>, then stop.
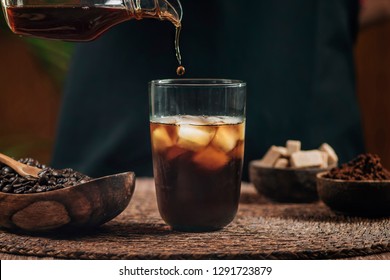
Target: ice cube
<point x="215" y="120"/>
<point x="226" y="138"/>
<point x="238" y="151"/>
<point x="191" y="120"/>
<point x="175" y="152"/>
<point x="211" y="159"/>
<point x="167" y="120"/>
<point x="161" y="140"/>
<point x="164" y="120"/>
<point x="193" y="138"/>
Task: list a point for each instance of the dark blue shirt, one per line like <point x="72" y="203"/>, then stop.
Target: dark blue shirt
<point x="296" y="57"/>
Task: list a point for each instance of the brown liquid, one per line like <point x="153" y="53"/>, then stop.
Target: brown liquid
<point x="64" y="23"/>
<point x="78" y="23"/>
<point x="177" y="44"/>
<point x="197" y="185"/>
<point x="180" y="71"/>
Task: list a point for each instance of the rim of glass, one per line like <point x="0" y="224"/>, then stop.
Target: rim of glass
<point x="197" y="83"/>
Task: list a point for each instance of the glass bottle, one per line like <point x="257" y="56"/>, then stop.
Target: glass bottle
<point x="82" y="20"/>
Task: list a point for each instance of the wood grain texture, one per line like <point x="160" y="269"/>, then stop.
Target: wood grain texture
<point x="384" y="256"/>
<point x="285" y="184"/>
<point x="87" y="205"/>
<point x="22" y="169"/>
<point x="361" y="198"/>
<point x="261" y="230"/>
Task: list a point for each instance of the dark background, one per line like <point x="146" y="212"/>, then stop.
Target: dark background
<point x="30" y="92"/>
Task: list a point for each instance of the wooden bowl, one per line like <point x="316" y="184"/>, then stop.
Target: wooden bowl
<point x="355" y="198"/>
<point x="285" y="184"/>
<point x="83" y="206"/>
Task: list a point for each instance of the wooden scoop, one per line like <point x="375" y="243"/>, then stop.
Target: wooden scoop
<point x="20" y="168"/>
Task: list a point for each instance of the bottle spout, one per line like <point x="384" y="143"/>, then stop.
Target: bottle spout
<point x="175" y="9"/>
<point x="164" y="9"/>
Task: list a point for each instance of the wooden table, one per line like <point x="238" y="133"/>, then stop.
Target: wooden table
<point x="261" y="230"/>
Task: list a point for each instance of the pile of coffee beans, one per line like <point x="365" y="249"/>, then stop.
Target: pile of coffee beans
<point x="363" y="168"/>
<point x="49" y="179"/>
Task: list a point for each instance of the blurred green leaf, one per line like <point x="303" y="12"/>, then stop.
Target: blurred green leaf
<point x="18" y="146"/>
<point x="54" y="55"/>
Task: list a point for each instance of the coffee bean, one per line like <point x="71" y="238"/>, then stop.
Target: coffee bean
<point x="43" y="173"/>
<point x="42" y="180"/>
<point x="7" y="189"/>
<point x="61" y="180"/>
<point x="28" y="182"/>
<point x="41" y="189"/>
<point x="49" y="179"/>
<point x="53" y="188"/>
<point x="20" y="190"/>
<point x="6" y="170"/>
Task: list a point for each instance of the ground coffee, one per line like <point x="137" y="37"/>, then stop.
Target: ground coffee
<point x="364" y="167"/>
<point x="49" y="179"/>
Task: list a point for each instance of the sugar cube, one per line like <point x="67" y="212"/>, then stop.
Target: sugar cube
<point x="281" y="163"/>
<point x="293" y="146"/>
<point x="272" y="155"/>
<point x="304" y="159"/>
<point x="332" y="156"/>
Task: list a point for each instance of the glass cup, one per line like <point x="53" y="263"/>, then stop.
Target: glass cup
<point x="197" y="131"/>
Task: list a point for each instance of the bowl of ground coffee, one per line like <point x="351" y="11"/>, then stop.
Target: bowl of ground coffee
<point x="60" y="198"/>
<point x="360" y="187"/>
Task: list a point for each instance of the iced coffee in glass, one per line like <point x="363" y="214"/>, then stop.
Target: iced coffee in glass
<point x="197" y="131"/>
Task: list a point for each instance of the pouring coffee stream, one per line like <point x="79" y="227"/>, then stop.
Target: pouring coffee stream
<point x="86" y="20"/>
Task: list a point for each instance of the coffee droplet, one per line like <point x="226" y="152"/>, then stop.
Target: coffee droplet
<point x="180" y="71"/>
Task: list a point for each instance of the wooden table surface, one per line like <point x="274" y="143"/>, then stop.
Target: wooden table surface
<point x="146" y="183"/>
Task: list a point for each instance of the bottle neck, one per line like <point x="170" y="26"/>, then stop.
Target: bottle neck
<point x="162" y="9"/>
